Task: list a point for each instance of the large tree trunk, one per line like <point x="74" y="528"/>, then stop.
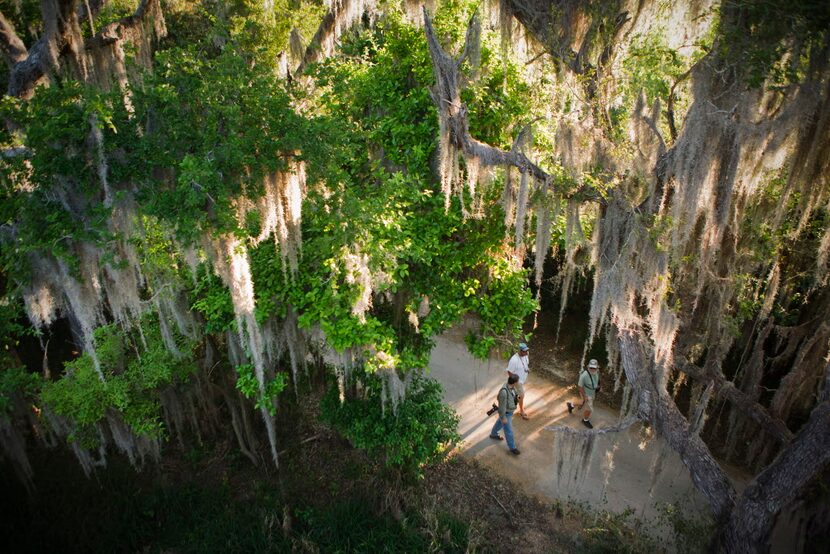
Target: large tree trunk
<point x="749" y="526"/>
<point x="669" y="423"/>
<point x="745" y="524"/>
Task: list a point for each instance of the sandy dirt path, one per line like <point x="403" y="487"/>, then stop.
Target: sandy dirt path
<point x="620" y="470"/>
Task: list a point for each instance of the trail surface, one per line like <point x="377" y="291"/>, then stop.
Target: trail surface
<point x="625" y="470"/>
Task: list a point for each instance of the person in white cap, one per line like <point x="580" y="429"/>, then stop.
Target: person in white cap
<point x="518" y="366"/>
<point x="588" y="386"/>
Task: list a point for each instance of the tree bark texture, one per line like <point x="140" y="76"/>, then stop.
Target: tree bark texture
<point x="62" y="47"/>
<point x="669" y="423"/>
<point x="750" y="523"/>
<point x="13" y="48"/>
<point x="61" y="36"/>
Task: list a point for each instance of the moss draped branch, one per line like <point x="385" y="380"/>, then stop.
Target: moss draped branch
<point x="62" y="44"/>
<point x="446" y="93"/>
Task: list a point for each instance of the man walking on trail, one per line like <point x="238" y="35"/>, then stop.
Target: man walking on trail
<point x="588" y="387"/>
<point x="518" y="366"/>
<point x="507" y="405"/>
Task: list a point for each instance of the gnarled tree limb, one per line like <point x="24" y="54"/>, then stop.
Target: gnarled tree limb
<point x="446" y="93"/>
<point x="669" y="423"/>
<point x="60" y="34"/>
<point x="12" y="47"/>
<point x="749" y="525"/>
<point x="749" y="407"/>
<point x="62" y="40"/>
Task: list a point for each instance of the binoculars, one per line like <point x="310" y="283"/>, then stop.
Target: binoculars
<point x="493" y="410"/>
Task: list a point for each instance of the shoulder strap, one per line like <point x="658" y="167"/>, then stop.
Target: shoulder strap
<point x="591" y="377"/>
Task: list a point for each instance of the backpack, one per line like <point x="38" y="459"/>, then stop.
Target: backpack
<point x="509" y="391"/>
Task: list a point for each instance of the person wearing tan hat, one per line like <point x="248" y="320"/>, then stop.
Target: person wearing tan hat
<point x="588" y="386"/>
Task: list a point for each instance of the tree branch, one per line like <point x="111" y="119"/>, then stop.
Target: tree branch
<point x="749" y="407"/>
<point x="62" y="36"/>
<point x="669" y="423"/>
<point x="340" y="16"/>
<point x="750" y="523"/>
<point x="60" y="24"/>
<point x="145" y="28"/>
<point x="447" y="96"/>
<point x="13" y="48"/>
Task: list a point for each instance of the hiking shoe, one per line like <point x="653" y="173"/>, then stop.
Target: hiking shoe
<point x="570" y="407"/>
<point x="515" y="451"/>
<point x="496" y="438"/>
<point x="587" y="423"/>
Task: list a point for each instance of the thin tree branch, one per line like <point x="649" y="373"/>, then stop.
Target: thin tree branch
<point x="509" y="516"/>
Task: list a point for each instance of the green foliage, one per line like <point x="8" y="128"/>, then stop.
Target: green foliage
<point x="220" y="125"/>
<point x="16" y="382"/>
<point x="378" y="88"/>
<point x="132" y="381"/>
<point x="498" y="100"/>
<point x="651" y="67"/>
<point x="110" y="12"/>
<point x="55" y="127"/>
<point x="502" y="309"/>
<point x="247" y="384"/>
<point x="213" y="302"/>
<point x="692" y="533"/>
<point x="416" y="432"/>
<point x="387" y="208"/>
<point x="11" y="328"/>
<point x="773" y="43"/>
